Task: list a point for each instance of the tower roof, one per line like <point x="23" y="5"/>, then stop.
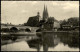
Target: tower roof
<point x="38" y="14"/>
<point x="44" y="8"/>
<point x="45" y="13"/>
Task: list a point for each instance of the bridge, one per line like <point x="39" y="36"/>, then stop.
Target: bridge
<point x="19" y="27"/>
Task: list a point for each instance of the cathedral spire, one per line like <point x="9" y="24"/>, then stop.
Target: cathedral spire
<point x="45" y="13"/>
<point x="44" y="8"/>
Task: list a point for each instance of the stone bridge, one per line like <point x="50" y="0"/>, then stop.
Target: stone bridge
<point x="32" y="29"/>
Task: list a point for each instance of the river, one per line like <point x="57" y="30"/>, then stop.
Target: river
<point x="61" y="43"/>
<point x="23" y="46"/>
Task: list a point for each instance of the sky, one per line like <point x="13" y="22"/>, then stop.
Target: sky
<point x="18" y="12"/>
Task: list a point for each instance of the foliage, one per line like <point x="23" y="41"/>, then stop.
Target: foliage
<point x="71" y="21"/>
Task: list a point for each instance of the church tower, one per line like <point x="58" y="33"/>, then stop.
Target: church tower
<point x="38" y="15"/>
<point x="45" y="13"/>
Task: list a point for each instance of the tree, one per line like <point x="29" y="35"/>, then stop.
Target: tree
<point x="73" y="21"/>
<point x="41" y="22"/>
<point x="64" y="22"/>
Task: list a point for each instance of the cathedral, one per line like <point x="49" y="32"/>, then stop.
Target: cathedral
<point x="45" y="13"/>
<point x="49" y="22"/>
<point x="46" y="22"/>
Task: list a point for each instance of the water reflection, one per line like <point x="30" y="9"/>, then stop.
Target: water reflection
<point x="72" y="39"/>
<point x="46" y="41"/>
<point x="51" y="40"/>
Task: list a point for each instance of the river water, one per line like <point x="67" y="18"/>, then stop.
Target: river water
<point x="61" y="43"/>
<point x="23" y="46"/>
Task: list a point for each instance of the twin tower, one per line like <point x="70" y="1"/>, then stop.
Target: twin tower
<point x="45" y="13"/>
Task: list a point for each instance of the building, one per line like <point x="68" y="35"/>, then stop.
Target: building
<point x="67" y="27"/>
<point x="45" y="14"/>
<point x="70" y="27"/>
<point x="34" y="21"/>
<point x="50" y="22"/>
<point x="46" y="22"/>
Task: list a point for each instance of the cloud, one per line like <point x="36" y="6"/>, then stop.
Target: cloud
<point x="55" y="3"/>
<point x="13" y="2"/>
<point x="18" y="12"/>
<point x="24" y="11"/>
<point x="70" y="6"/>
<point x="34" y="2"/>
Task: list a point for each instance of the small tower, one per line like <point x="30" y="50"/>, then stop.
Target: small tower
<point x="38" y="15"/>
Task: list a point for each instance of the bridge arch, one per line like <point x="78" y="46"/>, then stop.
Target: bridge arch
<point x="38" y="30"/>
<point x="14" y="29"/>
<point x="28" y="30"/>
